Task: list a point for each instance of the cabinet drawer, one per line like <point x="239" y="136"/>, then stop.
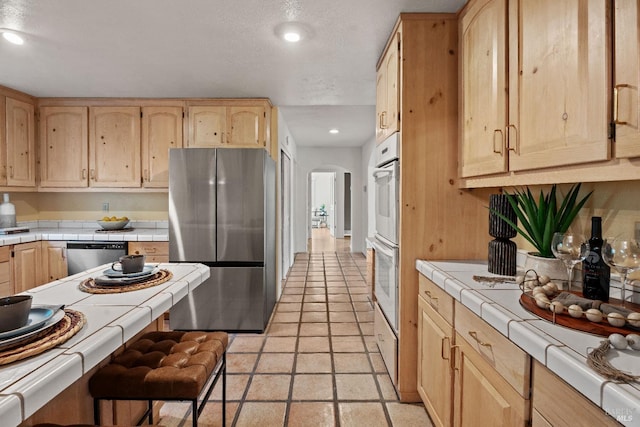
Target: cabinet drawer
<point x="5" y="253"/>
<point x="155" y="251"/>
<point x="506" y="357"/>
<point x="549" y="389"/>
<point x="387" y="342"/>
<point x="149" y="248"/>
<point x="437" y="298"/>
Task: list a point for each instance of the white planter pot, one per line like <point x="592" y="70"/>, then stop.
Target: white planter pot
<point x="552" y="267"/>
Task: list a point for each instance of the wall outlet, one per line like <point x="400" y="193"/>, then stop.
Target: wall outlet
<point x="636" y="231"/>
<point x="105" y="207"/>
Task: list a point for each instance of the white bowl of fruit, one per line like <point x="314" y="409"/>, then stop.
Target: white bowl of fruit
<point x="113" y="223"/>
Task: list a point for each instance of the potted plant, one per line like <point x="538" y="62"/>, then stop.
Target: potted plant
<point x="540" y="218"/>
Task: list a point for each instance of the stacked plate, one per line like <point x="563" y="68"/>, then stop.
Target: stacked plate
<point x="40" y="318"/>
<point x="112" y="277"/>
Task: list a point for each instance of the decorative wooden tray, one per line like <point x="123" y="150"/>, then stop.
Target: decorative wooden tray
<point x="89" y="285"/>
<point x="602" y="328"/>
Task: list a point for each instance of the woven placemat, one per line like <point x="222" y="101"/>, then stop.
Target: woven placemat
<point x="54" y="335"/>
<point x="89" y="285"/>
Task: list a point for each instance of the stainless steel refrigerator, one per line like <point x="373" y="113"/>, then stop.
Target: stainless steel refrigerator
<point x="222" y="214"/>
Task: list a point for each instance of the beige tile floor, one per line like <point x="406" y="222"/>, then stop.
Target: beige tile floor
<point x="316" y="365"/>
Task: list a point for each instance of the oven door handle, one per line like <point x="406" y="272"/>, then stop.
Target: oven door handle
<point x="382" y="171"/>
<point x="383" y="250"/>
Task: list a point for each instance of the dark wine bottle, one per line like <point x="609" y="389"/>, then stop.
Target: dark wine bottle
<point x="595" y="273"/>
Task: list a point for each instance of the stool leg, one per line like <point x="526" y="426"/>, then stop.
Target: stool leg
<point x="224" y="389"/>
<point x="96" y="412"/>
<point x="195" y="414"/>
<point x="150" y="412"/>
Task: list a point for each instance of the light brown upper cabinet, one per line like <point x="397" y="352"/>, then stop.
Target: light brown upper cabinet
<point x="626" y="79"/>
<point x="387" y="91"/>
<point x="20" y="143"/>
<point x="114" y="147"/>
<point x="161" y="130"/>
<point x="227" y="126"/>
<point x="64" y="136"/>
<point x="557" y="72"/>
<point x="484" y="88"/>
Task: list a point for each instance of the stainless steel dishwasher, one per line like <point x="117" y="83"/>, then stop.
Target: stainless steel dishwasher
<point x="82" y="256"/>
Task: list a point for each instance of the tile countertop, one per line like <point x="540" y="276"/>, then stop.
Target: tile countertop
<point x="143" y="231"/>
<point x="111" y="320"/>
<point x="564" y="351"/>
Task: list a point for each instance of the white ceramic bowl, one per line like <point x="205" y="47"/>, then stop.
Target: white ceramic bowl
<point x="113" y="225"/>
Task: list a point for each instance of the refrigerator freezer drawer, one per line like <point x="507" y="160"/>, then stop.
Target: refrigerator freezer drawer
<point x="232" y="299"/>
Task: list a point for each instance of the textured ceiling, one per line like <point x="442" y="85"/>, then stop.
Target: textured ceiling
<point x="212" y="48"/>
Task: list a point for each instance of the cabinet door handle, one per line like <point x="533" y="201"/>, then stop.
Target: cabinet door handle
<point x="517" y="144"/>
<point x="432" y="299"/>
<point x="92" y="174"/>
<point x="151" y="250"/>
<point x="84" y="174"/>
<point x="501" y="141"/>
<point x="474" y="335"/>
<point x="616" y="89"/>
<point x="10" y="171"/>
<point x="383" y="122"/>
<point x="452" y="360"/>
<point x="380" y="338"/>
<point x="145" y="175"/>
<point x="442" y="347"/>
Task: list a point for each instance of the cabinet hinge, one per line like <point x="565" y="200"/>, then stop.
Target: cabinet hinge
<point x="612" y="131"/>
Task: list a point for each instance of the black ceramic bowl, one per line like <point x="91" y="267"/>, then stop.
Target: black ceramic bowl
<point x="14" y="312"/>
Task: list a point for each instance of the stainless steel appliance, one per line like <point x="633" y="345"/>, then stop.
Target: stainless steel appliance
<point x="222" y="214"/>
<point x="387" y="182"/>
<point x="83" y="255"/>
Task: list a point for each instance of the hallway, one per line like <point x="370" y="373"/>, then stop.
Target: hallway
<point x="317" y="364"/>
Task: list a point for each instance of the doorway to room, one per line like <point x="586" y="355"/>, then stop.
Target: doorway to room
<point x="329" y="208"/>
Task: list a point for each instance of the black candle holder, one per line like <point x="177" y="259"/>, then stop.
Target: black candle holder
<point x="502" y="251"/>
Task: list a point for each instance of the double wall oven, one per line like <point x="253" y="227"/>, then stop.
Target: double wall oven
<point x="387" y="181"/>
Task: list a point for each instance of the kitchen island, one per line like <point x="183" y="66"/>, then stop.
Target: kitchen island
<point x="28" y="385"/>
<point x="551" y="350"/>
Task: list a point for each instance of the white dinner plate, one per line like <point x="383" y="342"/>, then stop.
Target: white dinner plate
<point x="56" y="316"/>
<point x="147" y="270"/>
<point x="37" y="316"/>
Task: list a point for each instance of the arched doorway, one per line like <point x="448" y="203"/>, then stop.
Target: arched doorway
<point x="329" y="210"/>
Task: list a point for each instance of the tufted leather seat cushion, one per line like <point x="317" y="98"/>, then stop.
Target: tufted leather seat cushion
<point x="161" y="366"/>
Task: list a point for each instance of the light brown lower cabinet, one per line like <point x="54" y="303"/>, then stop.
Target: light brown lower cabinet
<point x="435" y="338"/>
<point x="6" y="287"/>
<point x="469" y="374"/>
<point x="54" y="255"/>
<point x="27" y="267"/>
<point x="557" y="404"/>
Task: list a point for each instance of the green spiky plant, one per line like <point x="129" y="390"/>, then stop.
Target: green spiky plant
<point x="539" y="220"/>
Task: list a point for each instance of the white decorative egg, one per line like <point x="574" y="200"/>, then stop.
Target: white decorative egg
<point x="556" y="307"/>
<point x="543" y="279"/>
<point x="634" y="341"/>
<point x="618" y="341"/>
<point x="616" y="319"/>
<point x="537" y="290"/>
<point x="549" y="290"/>
<point x="575" y="310"/>
<point x="634" y="319"/>
<point x="542" y="303"/>
<point x="594" y="315"/>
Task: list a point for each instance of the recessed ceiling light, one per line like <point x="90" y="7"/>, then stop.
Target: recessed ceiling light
<point x="293" y="31"/>
<point x="291" y="37"/>
<point x="334" y="131"/>
<point x="12" y="37"/>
